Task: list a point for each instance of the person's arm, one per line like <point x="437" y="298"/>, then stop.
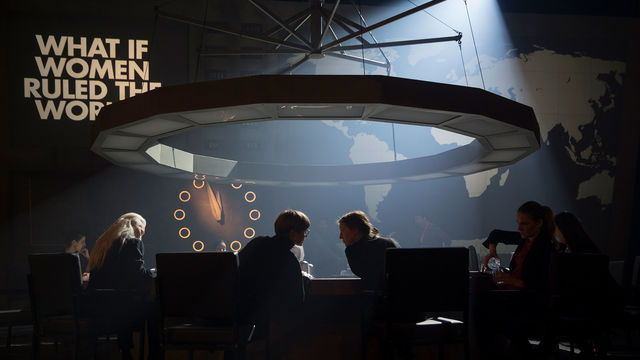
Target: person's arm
<point x="492" y="253"/>
<point x="499" y="236"/>
<point x="357" y="259"/>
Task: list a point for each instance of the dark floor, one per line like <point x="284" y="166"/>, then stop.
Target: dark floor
<point x="623" y="345"/>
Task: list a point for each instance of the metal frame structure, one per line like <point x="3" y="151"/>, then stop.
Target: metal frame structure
<point x="129" y="133"/>
<point x="321" y="21"/>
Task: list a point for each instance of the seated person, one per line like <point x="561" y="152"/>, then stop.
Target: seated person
<point x="77" y="244"/>
<point x="571" y="236"/>
<point x="117" y="258"/>
<point x="364" y="249"/>
<point x="221" y="246"/>
<point x="116" y="262"/>
<point x="516" y="314"/>
<point x="529" y="266"/>
<point x="271" y="285"/>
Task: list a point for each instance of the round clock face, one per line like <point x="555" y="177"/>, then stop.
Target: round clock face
<point x="213" y="205"/>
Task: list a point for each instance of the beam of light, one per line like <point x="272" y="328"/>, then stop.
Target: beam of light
<point x="184" y="232"/>
<point x="249" y="232"/>
<point x="179" y="214"/>
<point x="235" y="245"/>
<point x="215" y="203"/>
<point x="254" y="214"/>
<point x="250" y="195"/>
<point x="184" y="196"/>
<point x="198" y="185"/>
<point x="200" y="246"/>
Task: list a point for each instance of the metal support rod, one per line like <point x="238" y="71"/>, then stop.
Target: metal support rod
<point x="276" y="29"/>
<point x="344" y="27"/>
<point x="362" y="19"/>
<point x="294" y="66"/>
<point x="315" y="25"/>
<point x="349" y="22"/>
<point x="224" y="30"/>
<point x="382" y="23"/>
<point x="402" y="43"/>
<point x="278" y="21"/>
<point x="328" y="22"/>
<point x="231" y="52"/>
<point x="296" y="28"/>
<point x="356" y="58"/>
<point x="335" y="37"/>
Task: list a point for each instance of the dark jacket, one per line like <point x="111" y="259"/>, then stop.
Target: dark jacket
<point x="270" y="281"/>
<point x="366" y="259"/>
<point x="123" y="268"/>
<point x="535" y="267"/>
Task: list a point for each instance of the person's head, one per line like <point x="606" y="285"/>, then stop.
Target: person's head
<point x="533" y="219"/>
<point x="222" y="246"/>
<point x="292" y="224"/>
<point x="129" y="225"/>
<point x="569" y="231"/>
<point x="75" y="243"/>
<point x="354" y="226"/>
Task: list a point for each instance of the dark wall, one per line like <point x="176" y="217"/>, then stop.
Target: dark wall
<point x="52" y="184"/>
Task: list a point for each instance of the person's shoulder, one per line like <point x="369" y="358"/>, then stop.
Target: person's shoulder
<point x="257" y="241"/>
<point x="254" y="245"/>
<point x="387" y="242"/>
<point x="132" y="243"/>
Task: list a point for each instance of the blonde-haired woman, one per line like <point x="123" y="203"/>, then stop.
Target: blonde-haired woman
<point x="117" y="258"/>
<point x="116" y="262"/>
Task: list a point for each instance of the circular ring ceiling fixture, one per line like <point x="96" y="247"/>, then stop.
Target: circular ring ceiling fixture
<point x="128" y="132"/>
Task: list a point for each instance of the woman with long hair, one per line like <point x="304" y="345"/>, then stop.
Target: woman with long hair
<point x="571" y="234"/>
<point x="514" y="314"/>
<point x="364" y="248"/>
<point x="529" y="266"/>
<point x="117" y="263"/>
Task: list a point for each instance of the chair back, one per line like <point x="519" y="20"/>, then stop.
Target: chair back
<point x="54" y="282"/>
<point x="578" y="282"/>
<point x="427" y="280"/>
<point x="473" y="259"/>
<point x="198" y="285"/>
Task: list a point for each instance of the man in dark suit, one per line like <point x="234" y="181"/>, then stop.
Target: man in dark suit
<point x="271" y="285"/>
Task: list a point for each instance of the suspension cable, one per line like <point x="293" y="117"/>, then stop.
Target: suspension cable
<point x="204" y="22"/>
<point x="474" y="45"/>
<point x="462" y="59"/>
<point x="428" y="13"/>
<point x="363" y="21"/>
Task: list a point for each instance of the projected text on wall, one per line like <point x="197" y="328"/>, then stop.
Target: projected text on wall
<point x="77" y="75"/>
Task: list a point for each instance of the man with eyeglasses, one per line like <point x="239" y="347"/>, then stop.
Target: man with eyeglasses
<point x="271" y="285"/>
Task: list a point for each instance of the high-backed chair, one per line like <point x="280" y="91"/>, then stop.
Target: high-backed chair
<point x="427" y="283"/>
<point x="473" y="259"/>
<point x="54" y="286"/>
<point x="197" y="296"/>
<point x="111" y="313"/>
<point x="579" y="297"/>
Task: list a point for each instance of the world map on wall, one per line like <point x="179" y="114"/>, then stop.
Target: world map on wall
<point x="570" y="94"/>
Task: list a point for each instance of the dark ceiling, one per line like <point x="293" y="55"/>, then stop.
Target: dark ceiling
<point x="624" y="8"/>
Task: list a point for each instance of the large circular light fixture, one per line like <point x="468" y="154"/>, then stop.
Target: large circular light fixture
<point x="128" y="132"/>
